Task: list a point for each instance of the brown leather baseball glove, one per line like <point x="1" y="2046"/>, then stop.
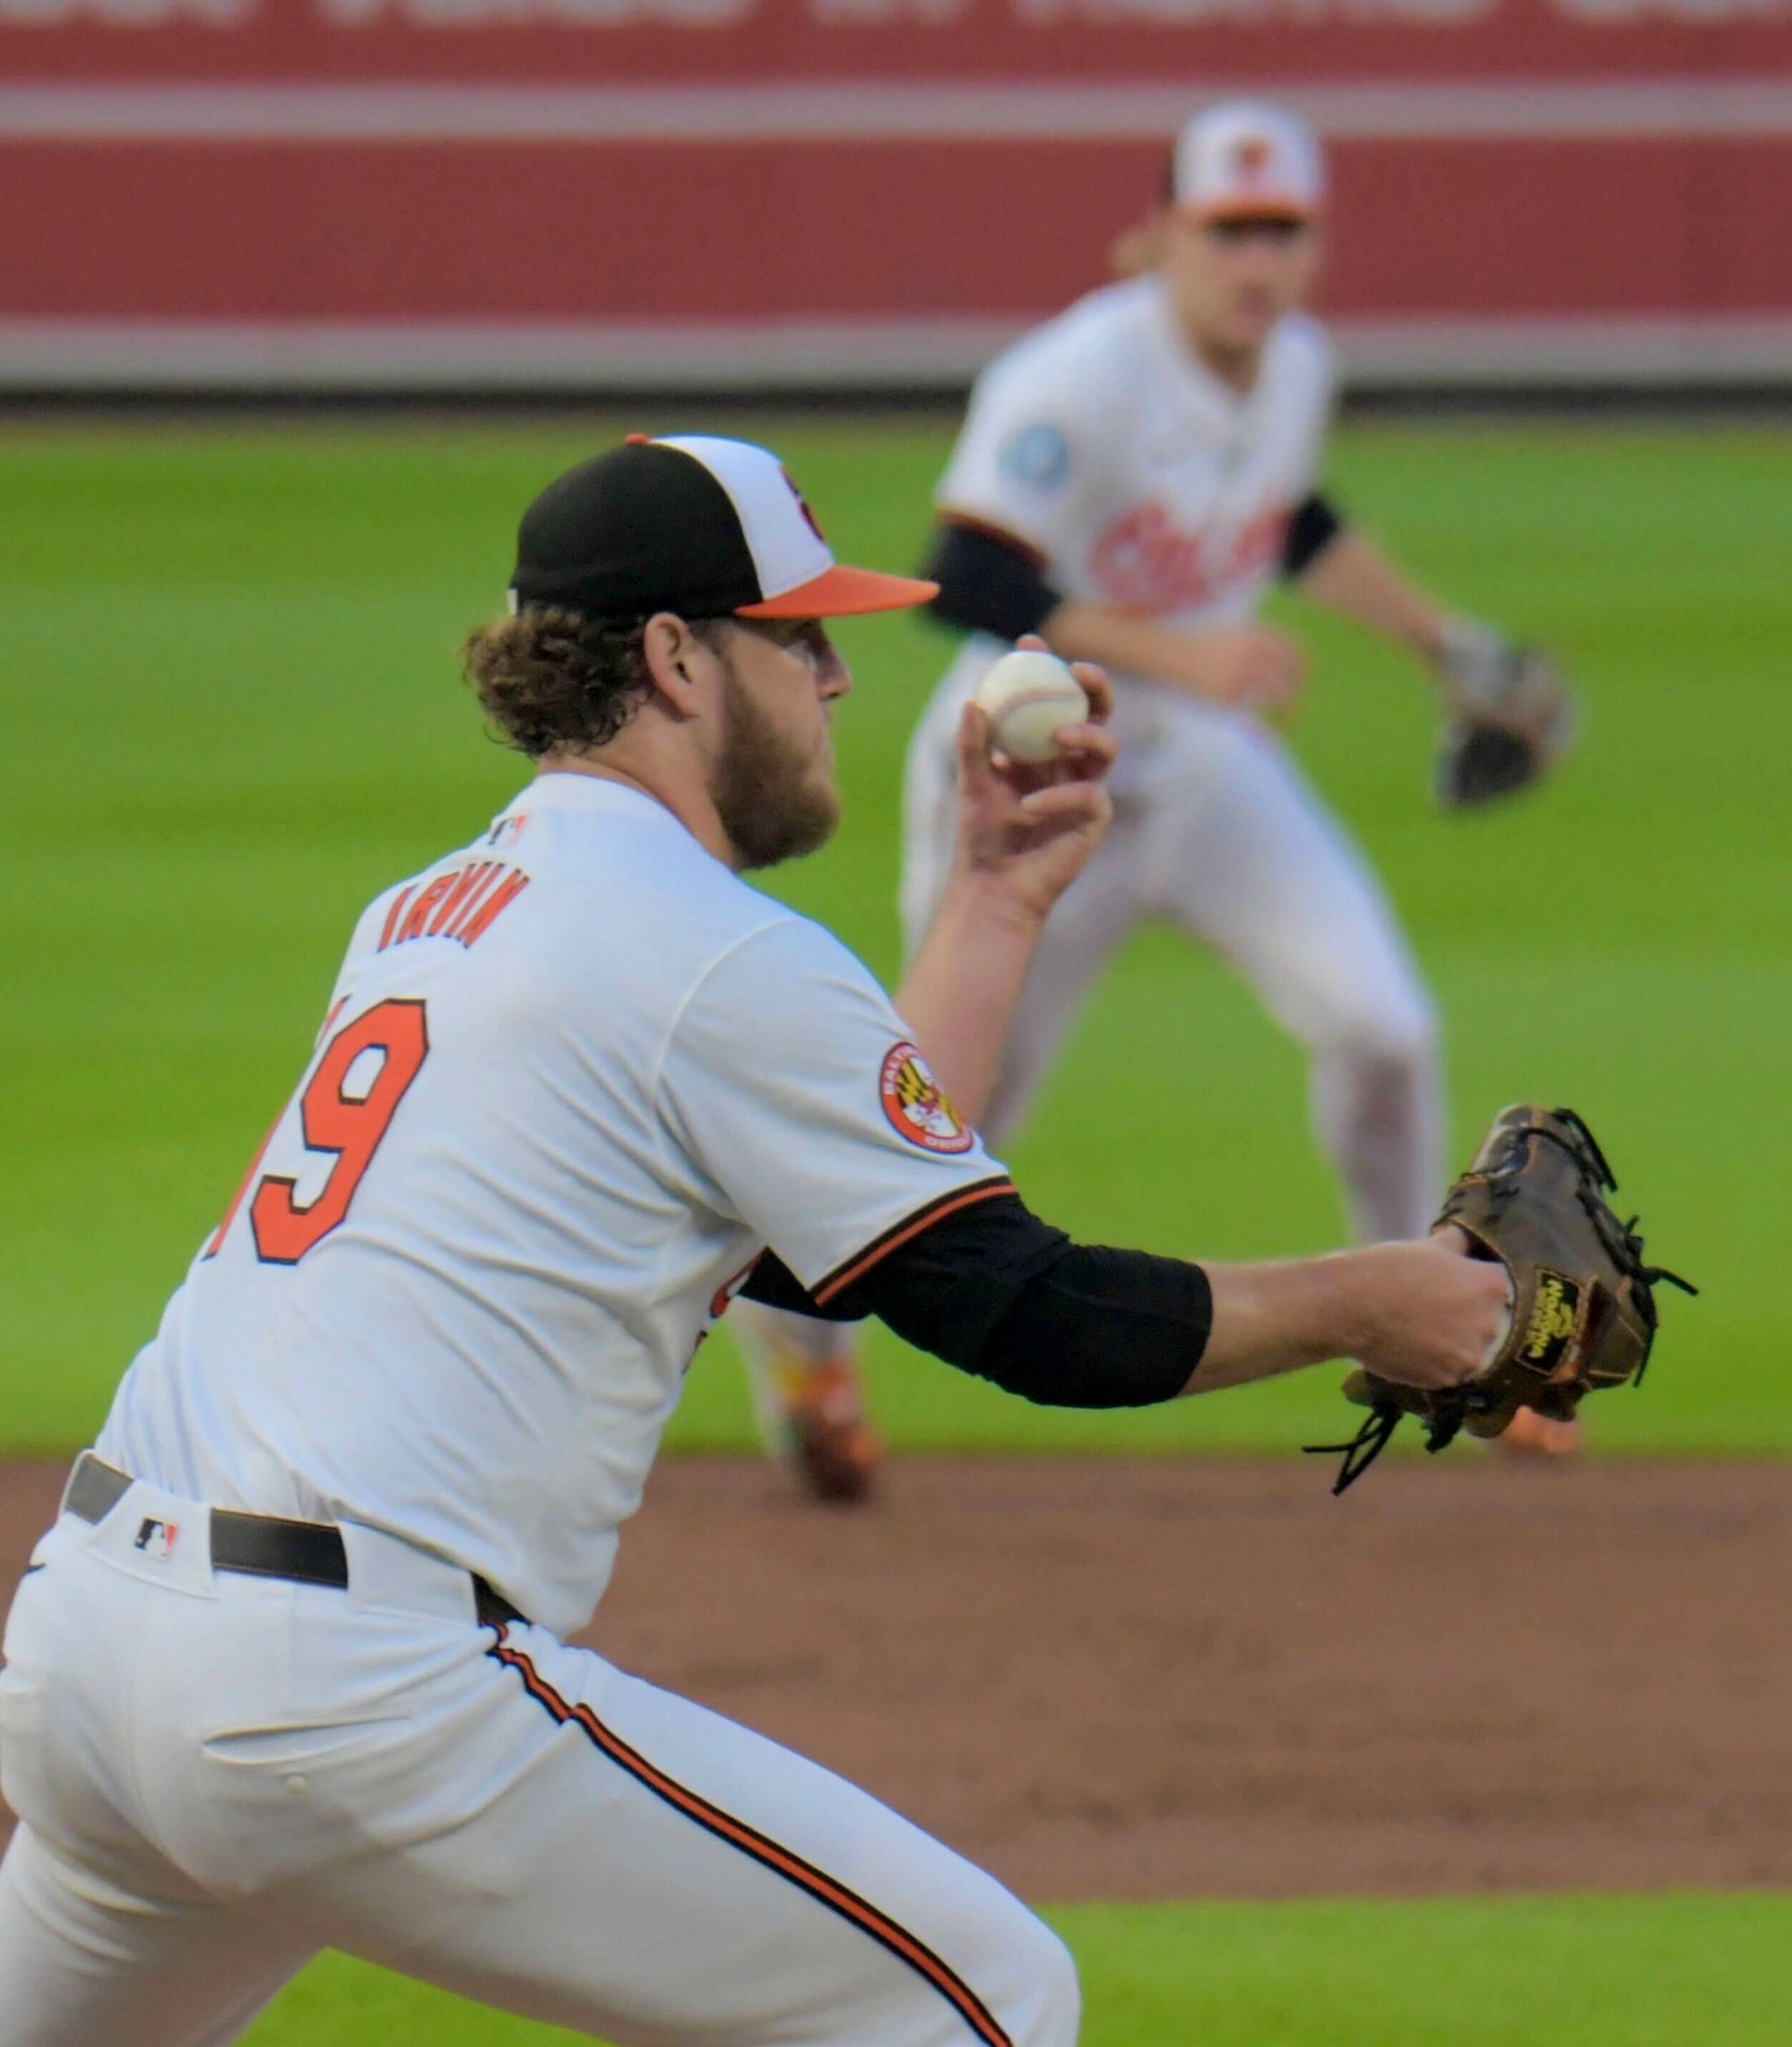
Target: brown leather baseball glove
<point x="1511" y="716"/>
<point x="1583" y="1303"/>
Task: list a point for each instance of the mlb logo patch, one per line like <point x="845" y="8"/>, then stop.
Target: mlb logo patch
<point x="157" y="1539"/>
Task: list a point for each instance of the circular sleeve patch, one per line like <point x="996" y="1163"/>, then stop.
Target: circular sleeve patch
<point x="917" y="1108"/>
<point x="1037" y="455"/>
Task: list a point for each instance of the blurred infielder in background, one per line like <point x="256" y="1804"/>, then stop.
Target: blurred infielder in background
<point x="290" y="1669"/>
<point x="1129" y="480"/>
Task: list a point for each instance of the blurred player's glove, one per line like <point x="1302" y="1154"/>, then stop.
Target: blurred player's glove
<point x="1511" y="715"/>
<point x="1583" y="1302"/>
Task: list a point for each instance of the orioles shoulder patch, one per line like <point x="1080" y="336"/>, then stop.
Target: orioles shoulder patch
<point x="917" y="1106"/>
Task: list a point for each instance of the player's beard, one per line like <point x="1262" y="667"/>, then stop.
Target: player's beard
<point x="775" y="802"/>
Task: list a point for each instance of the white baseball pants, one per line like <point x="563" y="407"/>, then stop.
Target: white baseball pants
<point x="1217" y="832"/>
<point x="218" y="1775"/>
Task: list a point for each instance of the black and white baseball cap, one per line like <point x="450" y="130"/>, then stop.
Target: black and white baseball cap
<point x="694" y="525"/>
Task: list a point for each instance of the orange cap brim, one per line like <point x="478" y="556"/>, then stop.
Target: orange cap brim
<point x="1243" y="209"/>
<point x="840" y="592"/>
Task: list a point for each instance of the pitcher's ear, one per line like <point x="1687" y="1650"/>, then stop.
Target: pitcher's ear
<point x="669" y="650"/>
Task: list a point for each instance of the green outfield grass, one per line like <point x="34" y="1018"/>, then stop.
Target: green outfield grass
<point x="231" y="716"/>
<point x="1558" y="1972"/>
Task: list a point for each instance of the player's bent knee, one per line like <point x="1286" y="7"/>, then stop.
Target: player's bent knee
<point x="1393" y="1039"/>
<point x="1410" y="1048"/>
<point x="1061" y="1994"/>
<point x="1044" y="2006"/>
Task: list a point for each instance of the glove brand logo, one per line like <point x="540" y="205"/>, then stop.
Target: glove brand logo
<point x="917" y="1108"/>
<point x="1551" y="1320"/>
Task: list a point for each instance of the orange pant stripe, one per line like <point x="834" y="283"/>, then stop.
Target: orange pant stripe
<point x="824" y="1889"/>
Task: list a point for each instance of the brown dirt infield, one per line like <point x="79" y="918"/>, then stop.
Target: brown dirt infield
<point x="1157" y="1678"/>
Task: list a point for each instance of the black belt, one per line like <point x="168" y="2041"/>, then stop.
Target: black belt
<point x="262" y="1545"/>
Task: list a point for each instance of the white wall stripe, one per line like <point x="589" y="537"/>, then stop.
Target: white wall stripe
<point x="940" y="355"/>
<point x="869" y="112"/>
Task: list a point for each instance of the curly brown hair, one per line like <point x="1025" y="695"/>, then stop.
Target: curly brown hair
<point x="551" y="680"/>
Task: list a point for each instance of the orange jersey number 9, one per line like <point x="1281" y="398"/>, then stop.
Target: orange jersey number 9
<point x="333" y="1120"/>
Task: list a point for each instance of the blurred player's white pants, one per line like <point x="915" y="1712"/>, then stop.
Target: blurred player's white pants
<point x="1218" y="832"/>
<point x="218" y="1775"/>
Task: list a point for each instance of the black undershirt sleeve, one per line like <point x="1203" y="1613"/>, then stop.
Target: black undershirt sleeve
<point x="988" y="583"/>
<point x="1316" y="522"/>
<point x="997" y="1293"/>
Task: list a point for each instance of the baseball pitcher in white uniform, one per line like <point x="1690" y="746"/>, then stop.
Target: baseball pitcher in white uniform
<point x="290" y="1670"/>
<point x="1130" y="480"/>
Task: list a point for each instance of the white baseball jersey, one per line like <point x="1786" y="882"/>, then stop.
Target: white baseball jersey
<point x="1138" y="477"/>
<point x="573" y="1080"/>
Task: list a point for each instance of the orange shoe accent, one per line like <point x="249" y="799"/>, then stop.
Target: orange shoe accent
<point x="1531" y="1435"/>
<point x="769" y="1854"/>
<point x="831" y="1446"/>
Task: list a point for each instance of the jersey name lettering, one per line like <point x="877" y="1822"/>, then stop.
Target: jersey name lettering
<point x="462" y="904"/>
<point x="1148" y="560"/>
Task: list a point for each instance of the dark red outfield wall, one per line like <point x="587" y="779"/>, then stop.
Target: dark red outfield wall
<point x="521" y="190"/>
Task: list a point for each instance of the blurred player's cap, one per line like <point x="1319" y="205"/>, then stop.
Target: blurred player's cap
<point x="1243" y="161"/>
<point x="692" y="525"/>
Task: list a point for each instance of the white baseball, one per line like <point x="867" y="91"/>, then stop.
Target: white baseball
<point x="1027" y="697"/>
